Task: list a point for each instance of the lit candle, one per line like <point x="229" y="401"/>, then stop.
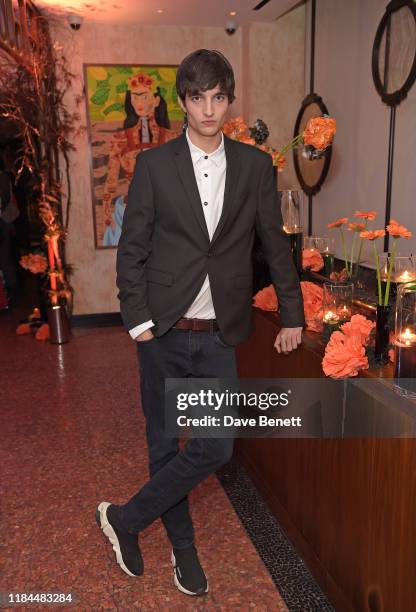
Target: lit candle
<point x="405" y="360"/>
<point x="405" y="277"/>
<point x="407" y="338"/>
<point x="344" y="312"/>
<point x="331" y="318"/>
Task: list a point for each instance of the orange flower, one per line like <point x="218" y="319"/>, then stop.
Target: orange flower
<point x="22" y="329"/>
<point x="235" y="127"/>
<point x="266" y="299"/>
<point x="312" y="259"/>
<point x="358" y="326"/>
<point x="338" y="222"/>
<point x="398" y="231"/>
<point x="344" y="356"/>
<point x="312" y="305"/>
<point x="319" y="132"/>
<point x="246" y="139"/>
<point x="372" y="234"/>
<point x="339" y="276"/>
<point x="43" y="332"/>
<point x="35" y="263"/>
<point x="356" y="227"/>
<point x="366" y="214"/>
<point x="279" y="161"/>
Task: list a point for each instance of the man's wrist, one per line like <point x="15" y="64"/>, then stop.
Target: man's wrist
<point x="139" y="329"/>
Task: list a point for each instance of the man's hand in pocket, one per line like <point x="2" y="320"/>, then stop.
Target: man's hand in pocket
<point x="145" y="336"/>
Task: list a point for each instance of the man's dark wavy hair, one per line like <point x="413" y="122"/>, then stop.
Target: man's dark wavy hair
<point x="202" y="70"/>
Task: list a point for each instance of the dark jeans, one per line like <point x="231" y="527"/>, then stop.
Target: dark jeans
<point x="173" y="472"/>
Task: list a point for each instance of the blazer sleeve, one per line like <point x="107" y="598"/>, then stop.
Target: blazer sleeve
<point x="276" y="247"/>
<point x="134" y="247"/>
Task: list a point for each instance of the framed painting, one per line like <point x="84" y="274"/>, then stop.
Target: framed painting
<point x="130" y="108"/>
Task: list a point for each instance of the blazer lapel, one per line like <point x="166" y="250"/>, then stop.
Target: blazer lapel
<point x="185" y="168"/>
<point x="231" y="182"/>
<point x="186" y="172"/>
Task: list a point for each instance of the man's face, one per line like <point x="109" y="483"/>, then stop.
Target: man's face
<point x="206" y="111"/>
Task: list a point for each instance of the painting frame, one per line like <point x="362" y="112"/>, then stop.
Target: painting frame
<point x="114" y="94"/>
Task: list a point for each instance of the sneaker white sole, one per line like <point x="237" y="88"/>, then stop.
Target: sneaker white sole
<point x="111" y="535"/>
<point x="178" y="584"/>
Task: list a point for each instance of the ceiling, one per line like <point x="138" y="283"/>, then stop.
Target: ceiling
<point x="174" y="12"/>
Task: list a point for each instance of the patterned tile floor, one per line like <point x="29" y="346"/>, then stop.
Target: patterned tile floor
<point x="73" y="435"/>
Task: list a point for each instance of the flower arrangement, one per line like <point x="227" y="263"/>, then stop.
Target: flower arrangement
<point x="311" y="258"/>
<point x="346" y="350"/>
<point x="345" y="353"/>
<point x="317" y="137"/>
<point x="356" y="228"/>
<point x="34" y="325"/>
<point x="34" y="96"/>
<point x="396" y="231"/>
<point x="312" y="294"/>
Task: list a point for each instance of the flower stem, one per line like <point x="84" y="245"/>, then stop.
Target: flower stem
<point x="291" y="144"/>
<point x="380" y="299"/>
<point x="344" y="250"/>
<point x="352" y="252"/>
<point x="361" y="244"/>
<point x="391" y="262"/>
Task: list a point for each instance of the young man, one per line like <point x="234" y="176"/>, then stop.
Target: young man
<point x="185" y="285"/>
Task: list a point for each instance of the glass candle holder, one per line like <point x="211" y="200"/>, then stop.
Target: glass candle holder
<point x="291" y="201"/>
<point x="405" y="340"/>
<point x="403" y="271"/>
<point x="325" y="246"/>
<point x="337" y="304"/>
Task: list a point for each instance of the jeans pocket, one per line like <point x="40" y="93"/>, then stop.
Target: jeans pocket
<point x="220" y="341"/>
<point x="142" y="342"/>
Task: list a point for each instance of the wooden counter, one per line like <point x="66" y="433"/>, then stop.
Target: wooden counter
<point x="347" y="505"/>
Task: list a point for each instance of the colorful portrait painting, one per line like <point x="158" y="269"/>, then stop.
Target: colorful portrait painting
<point x="129" y="109"/>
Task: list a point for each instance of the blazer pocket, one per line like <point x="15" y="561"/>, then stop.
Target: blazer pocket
<point x="243" y="281"/>
<point x="159" y="276"/>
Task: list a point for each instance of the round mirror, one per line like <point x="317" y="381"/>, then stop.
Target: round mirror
<point x="394" y="52"/>
<point x="311" y="170"/>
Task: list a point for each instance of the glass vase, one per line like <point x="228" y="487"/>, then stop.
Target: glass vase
<point x="291" y="201"/>
<point x="337" y="305"/>
<point x="382" y="334"/>
<point x="405" y="341"/>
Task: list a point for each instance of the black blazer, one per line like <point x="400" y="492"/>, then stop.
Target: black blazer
<point x="164" y="252"/>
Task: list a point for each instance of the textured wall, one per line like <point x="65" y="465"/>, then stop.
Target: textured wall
<point x="357" y="178"/>
<point x="274" y="79"/>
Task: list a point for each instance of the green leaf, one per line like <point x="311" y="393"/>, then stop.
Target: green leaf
<point x="124" y="70"/>
<point x="122" y="87"/>
<point x="154" y="73"/>
<point x="103" y="84"/>
<point x="114" y="107"/>
<point x="101" y="96"/>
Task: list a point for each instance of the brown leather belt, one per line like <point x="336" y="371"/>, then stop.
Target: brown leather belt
<point x="209" y="325"/>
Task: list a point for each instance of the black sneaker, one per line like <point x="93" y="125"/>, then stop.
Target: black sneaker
<point x="125" y="545"/>
<point x="188" y="575"/>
